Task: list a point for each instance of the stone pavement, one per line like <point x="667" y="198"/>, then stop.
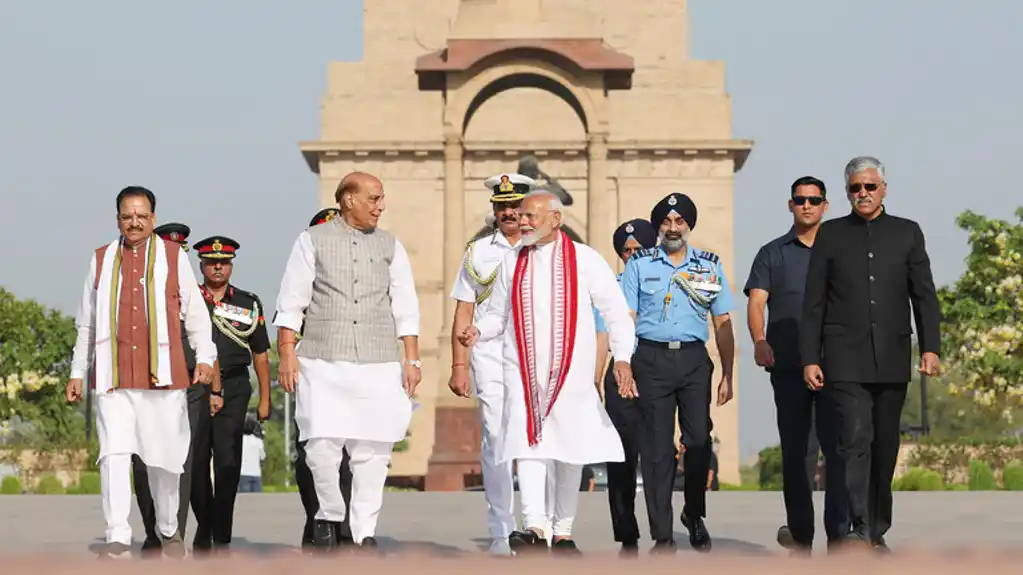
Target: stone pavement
<point x="447" y="524"/>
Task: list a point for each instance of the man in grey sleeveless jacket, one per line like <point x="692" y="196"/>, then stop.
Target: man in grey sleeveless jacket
<point x="352" y="284"/>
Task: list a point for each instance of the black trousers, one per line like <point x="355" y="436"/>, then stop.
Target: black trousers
<point x="670" y="380"/>
<point x="307" y="492"/>
<point x="869" y="416"/>
<point x="621" y="476"/>
<point x="807" y="422"/>
<point x="219" y="438"/>
<point x="198" y="404"/>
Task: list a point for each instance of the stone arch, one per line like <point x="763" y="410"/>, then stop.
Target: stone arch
<point x="524" y="80"/>
<point x="486" y="80"/>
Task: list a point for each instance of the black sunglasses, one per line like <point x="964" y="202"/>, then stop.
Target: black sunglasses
<point x="814" y="200"/>
<point x="870" y="187"/>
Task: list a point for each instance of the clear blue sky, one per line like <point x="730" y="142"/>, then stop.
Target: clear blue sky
<point x="204" y="102"/>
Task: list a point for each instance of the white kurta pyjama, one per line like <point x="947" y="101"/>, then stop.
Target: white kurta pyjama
<point x="361" y="407"/>
<point x="578" y="430"/>
<point x="152" y="424"/>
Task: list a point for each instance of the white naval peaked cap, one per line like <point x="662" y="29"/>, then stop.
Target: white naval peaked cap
<point x="493" y="181"/>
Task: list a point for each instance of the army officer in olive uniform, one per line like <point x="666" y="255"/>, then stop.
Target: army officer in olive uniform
<point x="674" y="290"/>
<point x="304" y="477"/>
<point x="241" y="338"/>
<point x="198" y="404"/>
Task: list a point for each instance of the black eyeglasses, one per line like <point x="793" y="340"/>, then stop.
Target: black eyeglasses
<point x="870" y="187"/>
<point x="814" y="200"/>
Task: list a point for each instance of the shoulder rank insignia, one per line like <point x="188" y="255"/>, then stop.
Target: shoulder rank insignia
<point x="644" y="253"/>
<point x="709" y="256"/>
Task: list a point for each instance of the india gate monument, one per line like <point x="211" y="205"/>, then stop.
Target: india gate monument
<point x="597" y="99"/>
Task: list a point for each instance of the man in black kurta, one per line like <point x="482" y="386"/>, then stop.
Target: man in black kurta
<point x="865" y="271"/>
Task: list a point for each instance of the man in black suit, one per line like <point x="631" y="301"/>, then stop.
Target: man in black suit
<point x="855" y="337"/>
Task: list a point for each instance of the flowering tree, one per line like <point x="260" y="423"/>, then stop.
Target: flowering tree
<point x="983" y="333"/>
<point x="35" y="356"/>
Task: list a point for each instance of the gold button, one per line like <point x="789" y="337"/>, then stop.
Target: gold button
<point x="134" y="327"/>
<point x="133" y="347"/>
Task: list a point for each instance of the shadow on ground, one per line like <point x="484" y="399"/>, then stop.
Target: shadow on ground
<point x="730" y="546"/>
<point x="390" y="545"/>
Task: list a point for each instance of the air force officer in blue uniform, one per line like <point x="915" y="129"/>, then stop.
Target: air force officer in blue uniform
<point x="673" y="290"/>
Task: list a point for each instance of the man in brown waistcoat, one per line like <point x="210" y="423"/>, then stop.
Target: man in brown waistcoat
<point x="136" y="294"/>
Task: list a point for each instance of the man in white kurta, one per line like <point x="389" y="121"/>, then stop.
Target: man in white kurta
<point x="138" y="293"/>
<point x="542" y="309"/>
<point x="472" y="289"/>
<point x="351" y="283"/>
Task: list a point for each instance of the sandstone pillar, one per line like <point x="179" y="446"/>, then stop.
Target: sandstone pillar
<point x="600" y="212"/>
<point x="456" y="447"/>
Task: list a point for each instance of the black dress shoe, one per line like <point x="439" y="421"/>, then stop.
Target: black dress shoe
<point x="202" y="545"/>
<point x="881" y="546"/>
<point x="664" y="547"/>
<point x="565" y="548"/>
<point x="324" y="537"/>
<point x="527" y="542"/>
<point x="629" y="549"/>
<point x="699" y="537"/>
<point x="152" y="547"/>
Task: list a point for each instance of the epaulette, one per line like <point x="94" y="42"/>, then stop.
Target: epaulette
<point x="643" y="253"/>
<point x="709" y="256"/>
<point x="479" y="237"/>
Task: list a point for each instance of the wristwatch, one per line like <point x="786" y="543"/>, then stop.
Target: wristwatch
<point x="414" y="363"/>
<point x="219" y="393"/>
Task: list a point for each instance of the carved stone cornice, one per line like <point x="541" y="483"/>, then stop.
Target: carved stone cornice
<point x="738" y="150"/>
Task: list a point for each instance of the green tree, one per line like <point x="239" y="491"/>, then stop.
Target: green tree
<point x="951" y="417"/>
<point x="35" y="361"/>
<point x="982" y="338"/>
<point x="770" y="465"/>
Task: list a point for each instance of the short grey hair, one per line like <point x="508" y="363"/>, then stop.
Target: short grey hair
<point x="554" y="203"/>
<point x="860" y="163"/>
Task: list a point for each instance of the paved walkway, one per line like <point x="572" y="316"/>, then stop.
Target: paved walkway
<point x="454" y="523"/>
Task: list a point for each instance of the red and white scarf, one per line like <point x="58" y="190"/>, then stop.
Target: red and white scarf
<point x="540" y="395"/>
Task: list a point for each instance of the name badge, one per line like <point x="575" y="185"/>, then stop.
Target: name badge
<point x="706" y="286"/>
<point x="234" y="313"/>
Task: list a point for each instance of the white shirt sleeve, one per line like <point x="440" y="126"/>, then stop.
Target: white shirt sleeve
<point x="196" y="315"/>
<point x="296" y="291"/>
<point x="495" y="319"/>
<point x="607" y="297"/>
<point x="463" y="290"/>
<point x="85" y="321"/>
<point x="404" y="301"/>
